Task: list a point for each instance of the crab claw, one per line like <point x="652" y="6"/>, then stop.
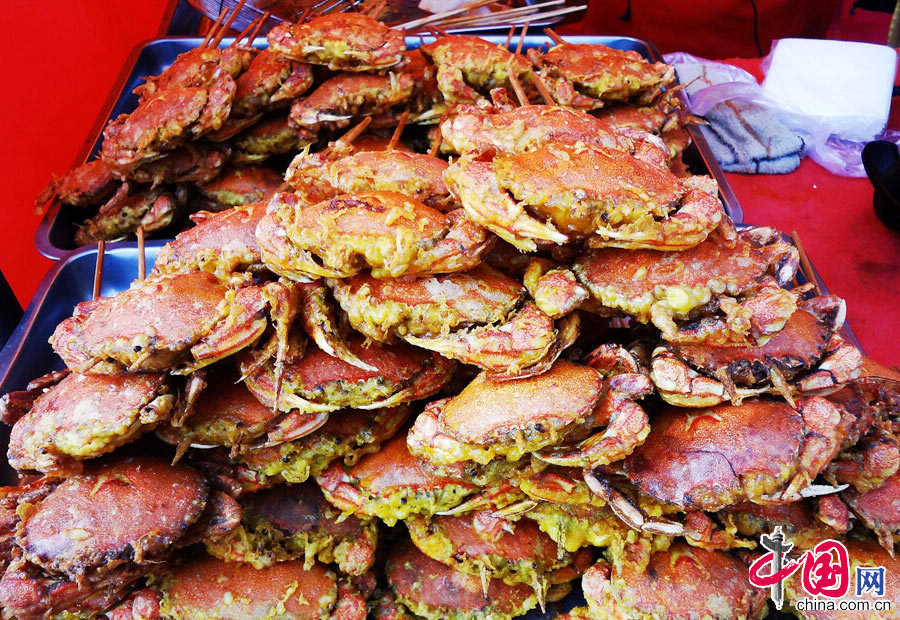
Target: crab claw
<point x="319" y="323"/>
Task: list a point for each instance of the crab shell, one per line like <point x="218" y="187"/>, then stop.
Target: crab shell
<point x="468" y="66"/>
<point x="347" y="435"/>
<point x="195" y="162"/>
<point x="589" y="75"/>
<point x="297" y="522"/>
<point x="387" y="232"/>
<point x="227" y="414"/>
<point x="479" y="317"/>
<point x="196" y="67"/>
<point x="270" y="81"/>
<point x="318" y="382"/>
<point x="341" y="41"/>
<point x="272" y="136"/>
<point x="492" y="547"/>
<point x="513" y="418"/>
<point x="879" y="510"/>
<point x="807" y="352"/>
<point x="86" y="185"/>
<point x="681" y="582"/>
<point x="220" y="243"/>
<point x="564" y="193"/>
<point x="165" y="121"/>
<point x="416" y="175"/>
<point x="798" y="520"/>
<point x="528" y="127"/>
<point x="239" y="185"/>
<point x="762" y="451"/>
<point x="153" y="209"/>
<point x="430" y="589"/>
<point x="85" y="416"/>
<point x="391" y="484"/>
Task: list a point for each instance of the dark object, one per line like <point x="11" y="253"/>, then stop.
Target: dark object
<point x="882" y="162"/>
<point x="55" y="237"/>
<point x="883" y="6"/>
<point x="10" y="310"/>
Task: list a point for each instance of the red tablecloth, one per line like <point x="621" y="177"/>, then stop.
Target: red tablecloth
<point x="62" y="59"/>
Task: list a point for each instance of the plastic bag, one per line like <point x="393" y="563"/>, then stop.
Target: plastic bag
<point x="824" y="142"/>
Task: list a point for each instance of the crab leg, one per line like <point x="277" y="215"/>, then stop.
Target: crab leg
<point x="319" y="323"/>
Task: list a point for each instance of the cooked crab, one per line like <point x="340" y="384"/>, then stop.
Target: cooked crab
<point x="341" y="41"/>
<point x="878" y="510"/>
<point x="469" y="67"/>
<point x="680" y="582"/>
<point x="807" y="355"/>
<point x="85" y="416"/>
<point x="430" y="589"/>
<point x="480" y="317"/>
<point x="195" y="162"/>
<point x="180" y="322"/>
<point x="270" y="137"/>
<point x="82" y="541"/>
<point x="239" y="185"/>
<point x="587" y="76"/>
<point x="319" y="382"/>
<point x="386" y="232"/>
<point x="564" y="193"/>
<point x="763" y="451"/>
<point x="270" y="81"/>
<point x="196" y="67"/>
<point x="725" y="290"/>
<point x="798" y="520"/>
<point x="297" y="522"/>
<point x="392" y="484"/>
<point x="472" y="129"/>
<point x="513" y="418"/>
<point x="152" y="209"/>
<point x="89" y="184"/>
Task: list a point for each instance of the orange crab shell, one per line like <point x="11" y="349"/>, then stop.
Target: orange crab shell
<point x="878" y="509"/>
<point x="432" y="589"/>
<point x="270" y="80"/>
<point x="88" y="184"/>
<point x="240" y="185"/>
<point x="683" y="582"/>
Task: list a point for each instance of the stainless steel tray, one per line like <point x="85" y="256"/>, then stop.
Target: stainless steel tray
<point x="55" y="237"/>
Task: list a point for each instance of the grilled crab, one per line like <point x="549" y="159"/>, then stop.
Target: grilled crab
<point x="194" y="162"/>
<point x="179" y="321"/>
<point x="341" y="41"/>
<point x="82" y="541"/>
<point x="805" y="356"/>
<point x="86" y="185"/>
<point x="392" y="484"/>
<point x="85" y="416"/>
<point x="206" y="587"/>
<point x="473" y="129"/>
<point x="130" y="207"/>
<point x="725" y="291"/>
<point x="680" y="582"/>
<point x="165" y="121"/>
<point x="469" y="67"/>
<point x="240" y="185"/>
<point x="587" y="76"/>
<point x="480" y="317"/>
<point x="297" y="522"/>
<point x="491" y="547"/>
<point x="197" y="67"/>
<point x="386" y="232"/>
<point x="335" y="102"/>
<point x="565" y="193"/>
<point x="318" y="382"/>
<point x="513" y="418"/>
<point x="877" y="509"/>
<point x="430" y="589"/>
<point x="762" y="451"/>
<point x="270" y="137"/>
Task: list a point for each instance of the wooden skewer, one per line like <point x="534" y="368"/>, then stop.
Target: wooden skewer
<point x="351" y="135"/>
<point x="243" y="33"/>
<point x="395" y="137"/>
<point x="142" y="258"/>
<point x="542" y="89"/>
<point x="98" y="269"/>
<point x="516" y="84"/>
<point x="227" y="25"/>
<point x="490" y="20"/>
<point x="433" y="151"/>
<point x="259" y="25"/>
<point x="500" y="16"/>
<point x="804" y="262"/>
<point x="554" y="36"/>
<point x="377" y="9"/>
<point x="509" y="35"/>
<point x="444" y="15"/>
<point x="304" y="15"/>
<point x="214" y="28"/>
<point x="522" y="38"/>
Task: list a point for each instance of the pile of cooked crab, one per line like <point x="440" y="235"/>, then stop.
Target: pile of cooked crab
<point x="453" y="384"/>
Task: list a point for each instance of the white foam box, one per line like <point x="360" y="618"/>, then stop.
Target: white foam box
<point x="843" y="84"/>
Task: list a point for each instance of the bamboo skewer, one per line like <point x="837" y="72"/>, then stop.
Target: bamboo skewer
<point x="395" y="137"/>
<point x="98" y="269"/>
<point x="142" y="258"/>
<point x="522" y="38"/>
<point x="542" y="89"/>
<point x="214" y="28"/>
<point x="227" y="26"/>
<point x="416" y="23"/>
<point x="504" y="17"/>
<point x="516" y="84"/>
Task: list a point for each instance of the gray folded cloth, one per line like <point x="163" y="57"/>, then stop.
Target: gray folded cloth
<point x="743" y="136"/>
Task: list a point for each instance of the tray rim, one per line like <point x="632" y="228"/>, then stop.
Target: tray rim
<point x="46" y="248"/>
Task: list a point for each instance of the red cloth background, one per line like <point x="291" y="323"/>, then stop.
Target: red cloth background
<point x="62" y="59"/>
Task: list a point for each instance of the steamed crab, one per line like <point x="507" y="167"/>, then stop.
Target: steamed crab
<point x="181" y="321"/>
<point x="513" y="418"/>
<point x="341" y="41"/>
<point x="74" y="547"/>
<point x="587" y="76"/>
<point x="469" y="67"/>
<point x="386" y="232"/>
<point x="727" y="290"/>
<point x="84" y="416"/>
<point x="805" y="356"/>
<point x="564" y="193"/>
<point x="481" y="317"/>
